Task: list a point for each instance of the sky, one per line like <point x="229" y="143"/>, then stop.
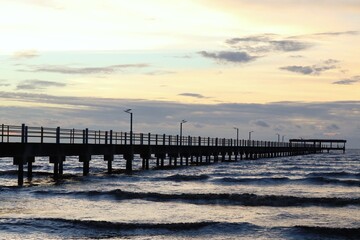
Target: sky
<point x="270" y="66"/>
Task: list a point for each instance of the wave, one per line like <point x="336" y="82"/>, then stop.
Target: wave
<point x="180" y="178"/>
<point x="96" y="228"/>
<point x="286" y="180"/>
<point x="96" y="225"/>
<point x="324" y="180"/>
<point x="245" y="199"/>
<point x="350" y="233"/>
<point x="8" y="173"/>
<point x="334" y="174"/>
<point x="254" y="180"/>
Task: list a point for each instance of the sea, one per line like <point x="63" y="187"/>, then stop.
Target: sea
<point x="314" y="196"/>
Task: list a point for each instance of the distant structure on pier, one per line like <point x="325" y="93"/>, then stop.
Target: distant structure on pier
<point x="323" y="144"/>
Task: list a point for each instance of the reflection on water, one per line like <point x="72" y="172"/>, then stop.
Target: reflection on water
<point x="312" y="196"/>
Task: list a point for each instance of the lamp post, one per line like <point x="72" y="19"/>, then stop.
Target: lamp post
<point x="181" y="130"/>
<point x="131" y="124"/>
<point x="130" y="156"/>
<point x="250" y="135"/>
<point x="237" y="136"/>
<point x="278" y="137"/>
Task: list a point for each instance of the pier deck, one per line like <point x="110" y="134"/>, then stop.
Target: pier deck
<point x="23" y="144"/>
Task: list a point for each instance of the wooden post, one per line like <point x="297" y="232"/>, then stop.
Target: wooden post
<point x="58" y="135"/>
<point x="111" y="137"/>
<point x="143" y="163"/>
<point x="61" y="165"/>
<point x="56" y="169"/>
<point x="20" y="171"/>
<point x="86" y="167"/>
<point x="41" y="135"/>
<point x="30" y="160"/>
<point x="109" y="158"/>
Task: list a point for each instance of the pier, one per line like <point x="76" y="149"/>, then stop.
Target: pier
<point x="24" y="143"/>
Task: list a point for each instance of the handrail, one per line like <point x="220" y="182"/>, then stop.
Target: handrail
<point x="26" y="134"/>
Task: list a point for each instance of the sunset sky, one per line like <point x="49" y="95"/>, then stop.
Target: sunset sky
<point x="273" y="67"/>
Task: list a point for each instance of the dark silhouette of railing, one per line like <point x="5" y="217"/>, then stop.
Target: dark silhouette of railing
<point x="26" y="134"/>
<point x="24" y="143"/>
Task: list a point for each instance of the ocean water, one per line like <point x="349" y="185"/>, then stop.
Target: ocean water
<point x="301" y="197"/>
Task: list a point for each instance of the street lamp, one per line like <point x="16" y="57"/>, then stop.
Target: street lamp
<point x="278" y="137"/>
<point x="250" y="135"/>
<point x="131" y="124"/>
<point x="237" y="136"/>
<point x="181" y="130"/>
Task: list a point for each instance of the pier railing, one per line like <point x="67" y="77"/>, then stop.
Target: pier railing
<point x="27" y="134"/>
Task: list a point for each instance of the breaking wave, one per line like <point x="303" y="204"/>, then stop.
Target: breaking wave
<point x="285" y="180"/>
<point x="245" y="199"/>
<point x="81" y="228"/>
<point x="180" y="178"/>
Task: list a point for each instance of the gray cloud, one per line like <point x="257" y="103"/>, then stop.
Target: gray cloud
<point x="27" y="54"/>
<point x="186" y="56"/>
<point x="38" y="85"/>
<point x="84" y="70"/>
<point x="266" y="43"/>
<point x="155" y="73"/>
<point x="4" y="84"/>
<point x="228" y="56"/>
<point x="332" y="127"/>
<point x="312" y="70"/>
<point x="309" y="120"/>
<point x="296" y="56"/>
<point x="349" y="81"/>
<point x="261" y="123"/>
<point x="194" y="95"/>
<point x="337" y="33"/>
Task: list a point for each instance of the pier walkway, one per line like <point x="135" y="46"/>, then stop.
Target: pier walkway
<point x="24" y="143"/>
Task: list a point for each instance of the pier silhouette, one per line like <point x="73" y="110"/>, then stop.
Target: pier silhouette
<point x="24" y="143"/>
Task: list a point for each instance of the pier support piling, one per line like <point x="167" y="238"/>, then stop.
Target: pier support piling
<point x="20" y="172"/>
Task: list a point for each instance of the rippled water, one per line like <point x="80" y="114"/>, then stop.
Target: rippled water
<point x="302" y="197"/>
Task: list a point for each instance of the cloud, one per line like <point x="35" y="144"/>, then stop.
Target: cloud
<point x="296" y="56"/>
<point x="337" y="33"/>
<point x="4" y="84"/>
<point x="349" y="81"/>
<point x="27" y="54"/>
<point x="194" y="95"/>
<point x="309" y="120"/>
<point x="312" y="70"/>
<point x="332" y="127"/>
<point x="261" y="123"/>
<point x="186" y="56"/>
<point x="155" y="73"/>
<point x="38" y="85"/>
<point x="84" y="70"/>
<point x="228" y="56"/>
<point x="266" y="43"/>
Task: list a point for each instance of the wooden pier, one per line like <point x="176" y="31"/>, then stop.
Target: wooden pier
<point x="24" y="143"/>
